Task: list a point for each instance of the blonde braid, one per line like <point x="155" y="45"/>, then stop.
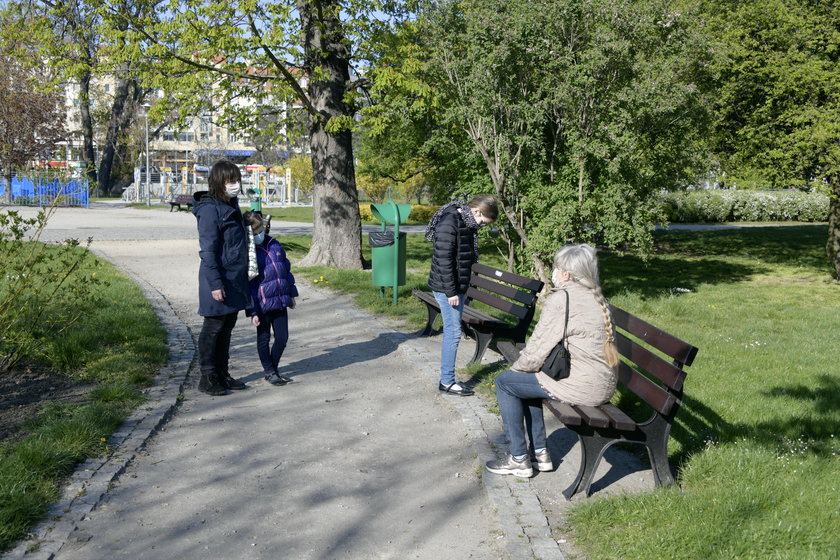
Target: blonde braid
<point x="610" y="349"/>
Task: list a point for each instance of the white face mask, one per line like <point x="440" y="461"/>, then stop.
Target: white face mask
<point x="233" y="189"/>
<point x="555" y="278"/>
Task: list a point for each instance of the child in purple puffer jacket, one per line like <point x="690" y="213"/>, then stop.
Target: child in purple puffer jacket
<point x="273" y="291"/>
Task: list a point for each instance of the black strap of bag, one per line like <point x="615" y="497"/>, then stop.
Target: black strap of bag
<point x="557" y="364"/>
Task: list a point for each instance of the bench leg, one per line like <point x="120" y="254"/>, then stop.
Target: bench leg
<point x="592" y="448"/>
<point x="433" y="313"/>
<point x="482" y="341"/>
<point x="657" y="448"/>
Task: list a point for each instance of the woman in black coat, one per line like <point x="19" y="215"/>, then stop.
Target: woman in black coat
<point x="453" y="230"/>
<point x="222" y="275"/>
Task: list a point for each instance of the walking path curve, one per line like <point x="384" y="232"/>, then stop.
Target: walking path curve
<point x="360" y="457"/>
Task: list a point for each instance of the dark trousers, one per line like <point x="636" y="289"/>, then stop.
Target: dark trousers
<point x="214" y="344"/>
<point x="278" y="321"/>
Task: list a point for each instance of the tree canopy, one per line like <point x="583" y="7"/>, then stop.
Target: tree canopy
<point x="579" y="112"/>
<point x="777" y="110"/>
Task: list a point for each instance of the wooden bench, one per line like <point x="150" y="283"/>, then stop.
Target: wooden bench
<point x="512" y="294"/>
<point x="651" y="379"/>
<point x="181" y="200"/>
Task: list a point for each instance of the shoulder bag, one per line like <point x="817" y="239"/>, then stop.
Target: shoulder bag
<point x="557" y="365"/>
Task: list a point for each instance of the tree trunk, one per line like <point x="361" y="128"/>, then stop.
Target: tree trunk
<point x="7" y="172"/>
<point x="337" y="227"/>
<point x="833" y="245"/>
<point x="106" y="162"/>
<point x="88" y="156"/>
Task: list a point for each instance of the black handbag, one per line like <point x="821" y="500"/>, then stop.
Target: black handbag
<point x="557" y="364"/>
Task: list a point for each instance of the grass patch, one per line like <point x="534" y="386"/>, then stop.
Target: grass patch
<point x="118" y="343"/>
<point x="755" y="443"/>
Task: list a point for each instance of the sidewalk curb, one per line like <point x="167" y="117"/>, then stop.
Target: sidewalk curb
<point x="92" y="479"/>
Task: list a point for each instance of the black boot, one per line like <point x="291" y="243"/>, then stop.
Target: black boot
<point x="231" y="383"/>
<point x="209" y="384"/>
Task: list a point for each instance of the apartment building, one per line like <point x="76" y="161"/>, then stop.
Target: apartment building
<point x="200" y="142"/>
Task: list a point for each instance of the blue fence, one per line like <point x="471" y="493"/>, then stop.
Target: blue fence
<point x="46" y="192"/>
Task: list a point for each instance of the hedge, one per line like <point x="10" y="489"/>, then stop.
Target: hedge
<point x="745" y="206"/>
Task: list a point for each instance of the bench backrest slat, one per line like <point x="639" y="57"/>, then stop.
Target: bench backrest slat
<point x="681" y="352"/>
<point x="669" y="374"/>
<point x="510" y="292"/>
<point x="499" y="303"/>
<point x="658" y="398"/>
<point x="504" y="276"/>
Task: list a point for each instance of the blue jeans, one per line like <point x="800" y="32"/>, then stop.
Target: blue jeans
<point x="451" y="336"/>
<point x="278" y="321"/>
<point x="520" y="402"/>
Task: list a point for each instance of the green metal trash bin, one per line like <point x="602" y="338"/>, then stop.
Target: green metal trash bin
<point x="388" y="253"/>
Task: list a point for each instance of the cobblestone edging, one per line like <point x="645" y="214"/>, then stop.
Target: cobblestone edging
<point x="91" y="481"/>
<point x="526" y="530"/>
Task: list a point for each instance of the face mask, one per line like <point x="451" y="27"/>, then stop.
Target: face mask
<point x="259" y="238"/>
<point x="233" y="189"/>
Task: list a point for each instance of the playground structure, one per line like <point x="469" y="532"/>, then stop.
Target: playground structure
<point x="42" y="192"/>
<point x="259" y="185"/>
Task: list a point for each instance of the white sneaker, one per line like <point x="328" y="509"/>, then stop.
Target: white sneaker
<point x="542" y="461"/>
<point x="509" y="465"/>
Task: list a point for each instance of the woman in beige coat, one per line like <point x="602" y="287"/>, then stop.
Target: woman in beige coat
<point x="590" y="338"/>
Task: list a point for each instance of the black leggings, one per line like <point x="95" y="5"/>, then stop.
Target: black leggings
<point x="214" y="344"/>
<point x="278" y="321"/>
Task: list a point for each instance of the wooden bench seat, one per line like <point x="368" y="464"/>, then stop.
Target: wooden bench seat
<point x="651" y="378"/>
<point x="185" y="200"/>
<point x="513" y="295"/>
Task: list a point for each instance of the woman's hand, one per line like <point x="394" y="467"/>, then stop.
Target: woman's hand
<point x="255" y="320"/>
<point x="294" y="303"/>
<point x="454" y="300"/>
<point x="218" y="295"/>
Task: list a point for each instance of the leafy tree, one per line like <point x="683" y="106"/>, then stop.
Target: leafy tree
<point x="68" y="34"/>
<point x="253" y="57"/>
<point x="779" y="100"/>
<point x="376" y="188"/>
<point x="406" y="138"/>
<point x="31" y="120"/>
<point x="301" y="169"/>
<point x="581" y="112"/>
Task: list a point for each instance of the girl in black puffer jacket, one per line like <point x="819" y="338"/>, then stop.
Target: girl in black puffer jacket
<point x="453" y="230"/>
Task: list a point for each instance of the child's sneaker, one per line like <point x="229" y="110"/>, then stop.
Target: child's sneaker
<point x="275" y="378"/>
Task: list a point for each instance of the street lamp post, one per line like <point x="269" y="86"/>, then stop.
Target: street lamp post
<point x="146" y="106"/>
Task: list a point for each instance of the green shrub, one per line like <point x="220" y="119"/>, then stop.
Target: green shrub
<point x="365" y="213"/>
<point x="422" y="213"/>
<point x="744" y="206"/>
<point x="419" y="213"/>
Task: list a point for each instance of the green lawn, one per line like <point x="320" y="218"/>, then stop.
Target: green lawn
<point x="755" y="444"/>
<point x="118" y="344"/>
